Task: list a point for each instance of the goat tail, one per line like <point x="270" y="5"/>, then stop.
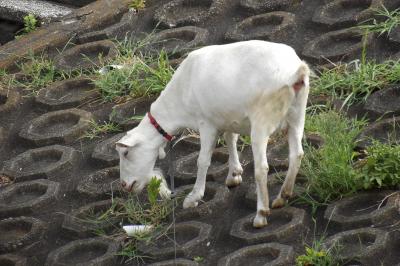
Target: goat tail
<point x="300" y="79"/>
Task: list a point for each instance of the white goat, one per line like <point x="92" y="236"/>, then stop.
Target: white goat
<point x="252" y="87"/>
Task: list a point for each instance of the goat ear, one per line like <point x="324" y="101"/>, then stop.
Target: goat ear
<point x="161" y="153"/>
<point x="127" y="141"/>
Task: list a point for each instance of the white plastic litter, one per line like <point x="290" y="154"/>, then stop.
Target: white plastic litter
<point x="105" y="69"/>
<point x="134" y="230"/>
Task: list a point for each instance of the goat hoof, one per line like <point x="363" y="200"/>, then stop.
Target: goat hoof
<point x="233" y="181"/>
<point x="278" y="203"/>
<point x="260" y="221"/>
<point x="189" y="203"/>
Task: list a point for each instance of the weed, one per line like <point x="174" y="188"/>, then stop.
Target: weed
<point x="391" y="19"/>
<point x="356" y="81"/>
<point x="381" y="167"/>
<point x="30" y="25"/>
<point x="137" y="4"/>
<point x="153" y="189"/>
<point x="329" y="169"/>
<point x="315" y="256"/>
<point x="97" y="129"/>
<point x="145" y="76"/>
<point x="198" y="259"/>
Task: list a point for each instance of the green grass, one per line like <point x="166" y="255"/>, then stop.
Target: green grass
<point x="30" y="24"/>
<point x="137" y="4"/>
<point x="329" y="169"/>
<point x="387" y="21"/>
<point x="143" y="75"/>
<point x="355" y="82"/>
<point x="96" y="129"/>
<point x="132" y="210"/>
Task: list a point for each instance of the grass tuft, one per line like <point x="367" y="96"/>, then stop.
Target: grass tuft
<point x="387" y="22"/>
<point x="96" y="129"/>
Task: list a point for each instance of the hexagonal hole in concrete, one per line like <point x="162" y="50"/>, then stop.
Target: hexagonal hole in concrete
<point x="12" y="260"/>
<point x="9" y="100"/>
<point x="18" y="233"/>
<point x="64" y="126"/>
<point x="178" y="41"/>
<point x="105" y="151"/>
<point x="90" y="218"/>
<point x="365" y="244"/>
<point x="100" y="184"/>
<point x="191" y="239"/>
<point x="90" y="252"/>
<point x="270" y="26"/>
<point x="40" y="163"/>
<point x="26" y="197"/>
<point x="384" y="101"/>
<point x="363" y="209"/>
<point x="129" y="114"/>
<point x="262" y="254"/>
<point x="261" y="6"/>
<point x="215" y="199"/>
<point x="85" y="56"/>
<point x="185" y="168"/>
<point x="284" y="225"/>
<point x="187" y="12"/>
<point x="336" y="45"/>
<point x="67" y="93"/>
<point x="345" y="12"/>
<point x="385" y="131"/>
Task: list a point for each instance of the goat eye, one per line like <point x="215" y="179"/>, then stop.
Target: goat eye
<point x="126" y="153"/>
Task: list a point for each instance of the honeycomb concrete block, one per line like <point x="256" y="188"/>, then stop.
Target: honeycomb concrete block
<point x="191" y="238"/>
<point x="385" y="131"/>
<point x="101" y="184"/>
<point x="84" y="221"/>
<point x="177" y="42"/>
<point x="67" y="94"/>
<point x="86" y="56"/>
<point x="28" y="197"/>
<point x="105" y="151"/>
<point x="265" y="5"/>
<point x="216" y="197"/>
<point x="188" y="12"/>
<point x="177" y="262"/>
<point x="394" y="35"/>
<point x="58" y="127"/>
<point x="337" y="45"/>
<point x="38" y="163"/>
<point x="9" y="101"/>
<point x="20" y="233"/>
<point x="363" y="209"/>
<point x="384" y="101"/>
<point x="284" y="225"/>
<point x="365" y="245"/>
<point x="340" y="13"/>
<point x="271" y="26"/>
<point x="271" y="254"/>
<point x="13" y="260"/>
<point x="86" y="252"/>
<point x="185" y="168"/>
<point x="128" y="115"/>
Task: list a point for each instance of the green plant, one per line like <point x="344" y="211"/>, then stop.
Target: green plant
<point x="381" y="167"/>
<point x="198" y="259"/>
<point x="30" y="23"/>
<point x="329" y="169"/>
<point x="142" y="76"/>
<point x="390" y="20"/>
<point x="137" y="4"/>
<point x="97" y="129"/>
<point x="153" y="189"/>
<point x="356" y="81"/>
<point x="315" y="256"/>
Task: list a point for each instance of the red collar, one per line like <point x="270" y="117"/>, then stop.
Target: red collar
<point x="159" y="128"/>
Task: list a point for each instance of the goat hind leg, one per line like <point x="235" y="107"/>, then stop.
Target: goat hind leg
<point x="234" y="177"/>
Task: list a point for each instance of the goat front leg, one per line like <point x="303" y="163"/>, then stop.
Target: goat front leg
<point x="234" y="177"/>
<point x="208" y="138"/>
<point x="259" y="140"/>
